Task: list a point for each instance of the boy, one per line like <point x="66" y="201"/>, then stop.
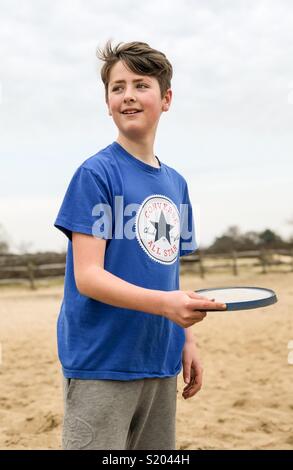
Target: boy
<point x="124" y="325"/>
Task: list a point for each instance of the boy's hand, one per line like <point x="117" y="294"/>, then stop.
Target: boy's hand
<point x="183" y="307"/>
<point x="192" y="370"/>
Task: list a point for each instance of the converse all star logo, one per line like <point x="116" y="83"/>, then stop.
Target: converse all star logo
<point x="158" y="228"/>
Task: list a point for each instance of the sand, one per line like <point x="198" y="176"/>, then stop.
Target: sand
<point x="246" y="401"/>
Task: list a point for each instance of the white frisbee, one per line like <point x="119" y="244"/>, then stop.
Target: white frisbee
<point x="240" y="298"/>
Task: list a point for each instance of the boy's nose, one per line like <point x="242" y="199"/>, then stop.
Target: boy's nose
<point x="129" y="96"/>
<point x="129" y="99"/>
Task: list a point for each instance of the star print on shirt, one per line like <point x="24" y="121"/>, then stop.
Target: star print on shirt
<point x="162" y="228"/>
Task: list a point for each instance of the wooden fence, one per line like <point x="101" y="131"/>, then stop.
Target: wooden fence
<point x="29" y="268"/>
<point x="263" y="260"/>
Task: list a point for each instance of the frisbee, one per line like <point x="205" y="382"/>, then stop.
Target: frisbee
<point x="240" y="298"/>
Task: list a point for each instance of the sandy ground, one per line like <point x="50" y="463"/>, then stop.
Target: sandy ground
<point x="246" y="401"/>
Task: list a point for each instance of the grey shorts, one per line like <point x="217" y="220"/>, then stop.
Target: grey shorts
<point x="114" y="414"/>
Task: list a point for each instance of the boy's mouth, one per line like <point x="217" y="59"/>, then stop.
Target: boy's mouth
<point x="132" y="111"/>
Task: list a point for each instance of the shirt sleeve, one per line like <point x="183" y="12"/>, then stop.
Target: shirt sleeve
<point x="187" y="229"/>
<point x="86" y="207"/>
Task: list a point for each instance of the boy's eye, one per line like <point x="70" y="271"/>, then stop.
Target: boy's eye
<point x="139" y="84"/>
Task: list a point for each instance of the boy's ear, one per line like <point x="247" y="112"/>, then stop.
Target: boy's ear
<point x="168" y="99"/>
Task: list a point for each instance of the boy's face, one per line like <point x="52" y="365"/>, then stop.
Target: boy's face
<point x="143" y="95"/>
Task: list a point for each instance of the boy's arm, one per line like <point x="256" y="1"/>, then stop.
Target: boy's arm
<point x="189" y="335"/>
<point x="192" y="366"/>
<point x="92" y="280"/>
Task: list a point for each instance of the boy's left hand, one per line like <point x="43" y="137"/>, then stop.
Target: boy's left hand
<point x="192" y="370"/>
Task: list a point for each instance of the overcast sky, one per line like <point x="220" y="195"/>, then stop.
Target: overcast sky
<point x="228" y="130"/>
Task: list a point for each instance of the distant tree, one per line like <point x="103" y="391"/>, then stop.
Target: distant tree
<point x="229" y="241"/>
<point x="4" y="247"/>
<point x="4" y="244"/>
<point x="234" y="232"/>
<point x="250" y="240"/>
<point x="233" y="239"/>
<point x="269" y="239"/>
<point x="290" y="241"/>
<point x="24" y="247"/>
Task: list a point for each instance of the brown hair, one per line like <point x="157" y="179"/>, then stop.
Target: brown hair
<point x="140" y="58"/>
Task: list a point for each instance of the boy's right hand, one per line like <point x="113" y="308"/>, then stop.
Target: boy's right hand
<point x="187" y="307"/>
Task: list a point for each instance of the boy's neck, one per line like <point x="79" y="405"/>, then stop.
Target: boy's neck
<point x="142" y="150"/>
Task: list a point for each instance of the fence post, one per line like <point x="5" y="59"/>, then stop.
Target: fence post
<point x="234" y="263"/>
<point x="201" y="266"/>
<point x="263" y="260"/>
<point x="31" y="276"/>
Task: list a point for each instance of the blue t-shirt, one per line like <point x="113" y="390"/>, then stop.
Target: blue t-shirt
<point x="139" y="210"/>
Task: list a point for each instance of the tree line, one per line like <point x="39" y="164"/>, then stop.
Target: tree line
<point x="231" y="240"/>
<point x="234" y="240"/>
